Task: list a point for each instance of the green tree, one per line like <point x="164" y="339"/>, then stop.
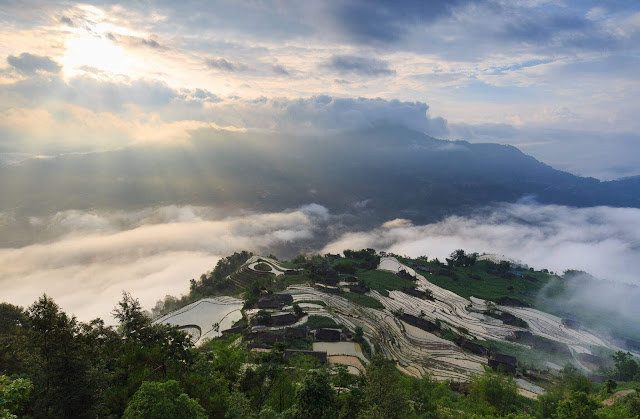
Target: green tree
<point x="626" y="368"/>
<point x="610" y="385"/>
<point x="383" y="389"/>
<point x="64" y="385"/>
<point x="13" y="394"/>
<point x="239" y="407"/>
<point x="263" y="317"/>
<point x="345" y="267"/>
<point x="492" y="392"/>
<point x="297" y="310"/>
<point x="577" y="406"/>
<point x="358" y="334"/>
<point x="166" y="400"/>
<point x="315" y="395"/>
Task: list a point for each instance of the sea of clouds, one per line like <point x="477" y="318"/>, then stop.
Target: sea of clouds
<point x="95" y="255"/>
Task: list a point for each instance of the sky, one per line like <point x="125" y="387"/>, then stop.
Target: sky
<point x="558" y="79"/>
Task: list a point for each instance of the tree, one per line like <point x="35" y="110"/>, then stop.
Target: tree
<point x="13" y="393"/>
<point x="626" y="368"/>
<point x="610" y="385"/>
<point x="577" y="406"/>
<point x="64" y="385"/>
<point x="345" y="267"/>
<point x="156" y="400"/>
<point x="263" y="318"/>
<point x="383" y="389"/>
<point x="492" y="392"/>
<point x="358" y="334"/>
<point x="315" y="394"/>
<point x="297" y="310"/>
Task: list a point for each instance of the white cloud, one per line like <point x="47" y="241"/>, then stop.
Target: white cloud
<point x="151" y="253"/>
<point x="603" y="241"/>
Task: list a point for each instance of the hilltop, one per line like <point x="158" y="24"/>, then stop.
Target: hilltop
<point x="320" y="336"/>
<point x="374" y="174"/>
<point x="447" y="320"/>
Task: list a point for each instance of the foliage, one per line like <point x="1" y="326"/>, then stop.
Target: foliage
<point x="263" y="317"/>
<point x="610" y="385"/>
<point x="578" y="406"/>
<point x="626" y="368"/>
<point x="13" y="393"/>
<point x="156" y="400"/>
<point x="315" y="396"/>
<point x="383" y="392"/>
<point x="493" y="393"/>
<point x="344" y="266"/>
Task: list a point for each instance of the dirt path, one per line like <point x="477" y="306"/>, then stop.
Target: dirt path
<point x="617" y="396"/>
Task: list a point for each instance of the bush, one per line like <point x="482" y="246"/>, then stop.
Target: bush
<point x="345" y="267"/>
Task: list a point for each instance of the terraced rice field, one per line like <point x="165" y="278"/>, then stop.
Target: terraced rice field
<point x="416" y="351"/>
<point x="199" y="317"/>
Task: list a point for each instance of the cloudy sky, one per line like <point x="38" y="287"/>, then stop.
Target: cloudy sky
<point x="558" y="79"/>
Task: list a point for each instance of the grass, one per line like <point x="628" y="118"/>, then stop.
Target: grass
<point x="363" y="300"/>
<point x="315" y="322"/>
<point x="383" y="281"/>
<point x="262" y="267"/>
<point x="489" y="287"/>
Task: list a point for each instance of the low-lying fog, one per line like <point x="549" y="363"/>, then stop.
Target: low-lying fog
<point x="89" y="258"/>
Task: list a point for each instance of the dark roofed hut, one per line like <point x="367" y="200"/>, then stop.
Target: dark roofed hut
<point x="327" y="335"/>
<point x="419" y="294"/>
<point x="233" y="330"/>
<point x="284" y="298"/>
<point x="269" y="303"/>
<point x="283" y="319"/>
<point x="358" y="289"/>
<point x="476" y="348"/>
<point x="418" y="322"/>
<point x="296" y="333"/>
<point x="405" y="275"/>
<point x="499" y="361"/>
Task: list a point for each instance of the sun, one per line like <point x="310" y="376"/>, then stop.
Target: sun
<point x="97" y="52"/>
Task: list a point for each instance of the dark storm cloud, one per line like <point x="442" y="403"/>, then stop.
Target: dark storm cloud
<point x="27" y="63"/>
<point x="360" y="65"/>
<point x="383" y="21"/>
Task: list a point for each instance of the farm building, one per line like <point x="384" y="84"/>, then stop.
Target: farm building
<point x="327" y="335"/>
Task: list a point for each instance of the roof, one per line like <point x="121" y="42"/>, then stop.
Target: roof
<point x="507" y="359"/>
<point x="328" y="335"/>
<point x="358" y="289"/>
<point x="474" y="347"/>
<point x="282" y="319"/>
<point x="495" y="364"/>
<point x="296" y="332"/>
<point x="269" y="303"/>
<point x="233" y="330"/>
<point x="418" y="322"/>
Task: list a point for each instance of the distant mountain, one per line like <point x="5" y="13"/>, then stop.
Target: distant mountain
<point x="377" y="173"/>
